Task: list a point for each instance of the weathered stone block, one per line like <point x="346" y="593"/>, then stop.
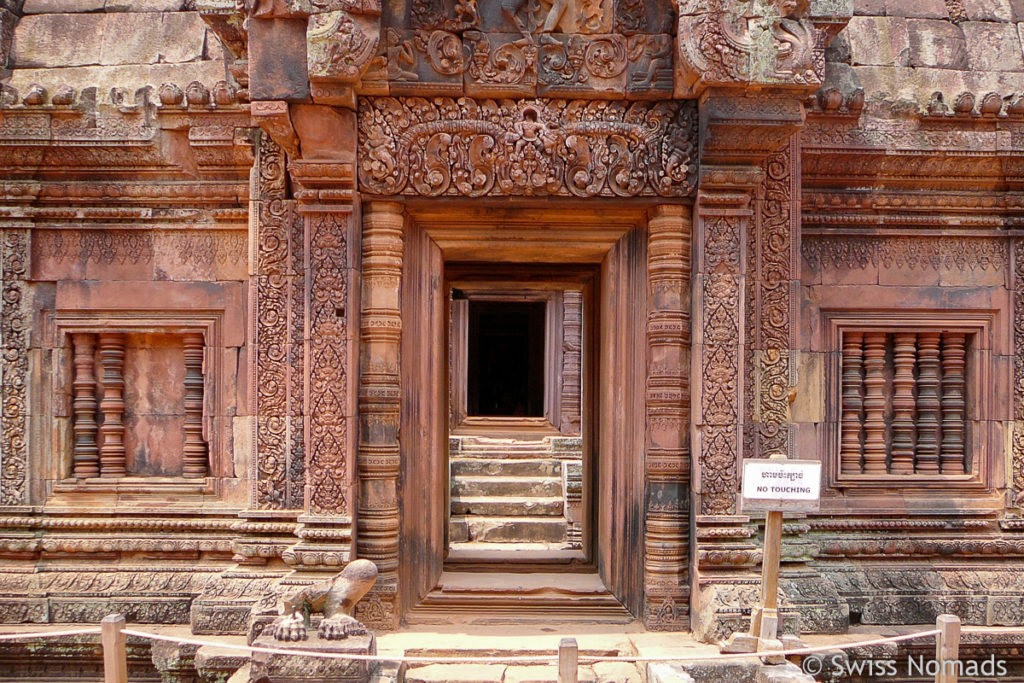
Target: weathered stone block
<point x="144" y="5"/>
<point x="869" y="7"/>
<point x="989" y="10"/>
<point x="462" y="673"/>
<point x="131" y="77"/>
<point x="922" y="9"/>
<point x="62" y="40"/>
<point x="937" y="44"/>
<point x="278" y="668"/>
<point x="277" y="60"/>
<point x="58" y="6"/>
<point x="879" y="41"/>
<point x="992" y="46"/>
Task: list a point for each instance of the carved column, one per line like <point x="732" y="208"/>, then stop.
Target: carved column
<point x="196" y="462"/>
<point x="666" y="580"/>
<point x="951" y="454"/>
<point x="14" y="326"/>
<point x="874" y="403"/>
<point x="379" y="393"/>
<point x="112" y="452"/>
<point x="928" y="403"/>
<point x="85" y="457"/>
<point x="850" y="449"/>
<point x="902" y="461"/>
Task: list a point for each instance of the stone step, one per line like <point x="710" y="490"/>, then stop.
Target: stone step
<point x="505" y="467"/>
<point x="498" y="506"/>
<point x="507" y="529"/>
<point x="520" y="487"/>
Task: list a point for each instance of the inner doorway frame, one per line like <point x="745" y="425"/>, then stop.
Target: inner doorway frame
<point x="648" y="570"/>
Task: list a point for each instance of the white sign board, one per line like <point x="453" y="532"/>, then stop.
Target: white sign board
<point x="784" y="485"/>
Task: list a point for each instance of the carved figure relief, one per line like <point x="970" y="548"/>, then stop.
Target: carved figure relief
<point x="474" y="148"/>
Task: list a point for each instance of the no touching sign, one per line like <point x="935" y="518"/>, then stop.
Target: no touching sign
<point x="783" y="485"/>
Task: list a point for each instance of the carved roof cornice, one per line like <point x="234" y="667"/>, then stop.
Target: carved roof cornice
<point x="177" y="135"/>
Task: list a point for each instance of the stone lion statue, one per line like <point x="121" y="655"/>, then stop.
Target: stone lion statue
<point x="336" y="598"/>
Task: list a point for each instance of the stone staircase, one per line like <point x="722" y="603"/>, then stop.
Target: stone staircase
<point x="507" y="498"/>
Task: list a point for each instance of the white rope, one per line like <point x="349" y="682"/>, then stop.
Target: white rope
<point x="48" y="634"/>
<point x="533" y="658"/>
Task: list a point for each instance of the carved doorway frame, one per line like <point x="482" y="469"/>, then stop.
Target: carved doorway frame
<point x="642" y="389"/>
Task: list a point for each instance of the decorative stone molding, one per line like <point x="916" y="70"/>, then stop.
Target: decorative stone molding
<point x="470" y="148"/>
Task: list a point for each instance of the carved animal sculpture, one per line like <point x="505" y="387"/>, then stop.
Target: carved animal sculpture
<point x="336" y="598"/>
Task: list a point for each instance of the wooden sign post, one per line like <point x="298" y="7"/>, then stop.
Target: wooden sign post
<point x="773" y="486"/>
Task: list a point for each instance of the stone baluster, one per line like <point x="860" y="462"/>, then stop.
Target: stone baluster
<point x="951" y="453"/>
<point x="927" y="460"/>
<point x="85" y="457"/>
<point x="111" y="451"/>
<point x="874" y="403"/>
<point x="850" y="450"/>
<point x="904" y="352"/>
<point x="196" y="462"/>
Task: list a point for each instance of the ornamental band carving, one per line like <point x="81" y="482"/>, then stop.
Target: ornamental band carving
<point x="472" y="148"/>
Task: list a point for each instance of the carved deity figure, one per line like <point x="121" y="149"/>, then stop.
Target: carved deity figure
<point x="336" y="598"/>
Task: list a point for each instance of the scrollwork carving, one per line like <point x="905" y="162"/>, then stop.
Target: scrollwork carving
<point x="446" y="147"/>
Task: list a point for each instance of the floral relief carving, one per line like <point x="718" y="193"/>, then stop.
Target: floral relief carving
<point x="328" y="365"/>
<point x="1018" y="372"/>
<point x="909" y="253"/>
<point x="14" y="325"/>
<point x="475" y="148"/>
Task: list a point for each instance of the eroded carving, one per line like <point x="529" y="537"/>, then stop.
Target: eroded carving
<point x="335" y="598"/>
<point x="761" y="41"/>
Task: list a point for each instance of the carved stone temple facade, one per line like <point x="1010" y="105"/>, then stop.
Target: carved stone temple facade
<point x="273" y="272"/>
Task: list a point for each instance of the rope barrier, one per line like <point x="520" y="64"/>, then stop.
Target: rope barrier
<point x="534" y="658"/>
<point x="49" y="634"/>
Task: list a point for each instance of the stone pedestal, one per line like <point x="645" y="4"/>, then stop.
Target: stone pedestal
<point x="280" y="668"/>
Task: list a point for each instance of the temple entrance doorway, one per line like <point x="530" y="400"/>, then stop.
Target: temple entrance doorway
<point x="519" y="355"/>
<point x="523" y="425"/>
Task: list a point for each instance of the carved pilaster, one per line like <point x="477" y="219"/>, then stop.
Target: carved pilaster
<point x="723" y="217"/>
<point x="112" y="451"/>
<point x="278" y="331"/>
<point x="379" y="394"/>
<point x="85" y="457"/>
<point x="928" y="403"/>
<point x="196" y="461"/>
<point x="14" y="326"/>
<point x="666" y="546"/>
<point x="771" y="275"/>
<point x="330" y="341"/>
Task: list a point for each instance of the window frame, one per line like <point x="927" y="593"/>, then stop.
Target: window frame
<point x="979" y="396"/>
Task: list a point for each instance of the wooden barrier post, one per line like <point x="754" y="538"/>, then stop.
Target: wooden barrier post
<point x="947" y="647"/>
<point x="568" y="660"/>
<point x="115" y="658"/>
